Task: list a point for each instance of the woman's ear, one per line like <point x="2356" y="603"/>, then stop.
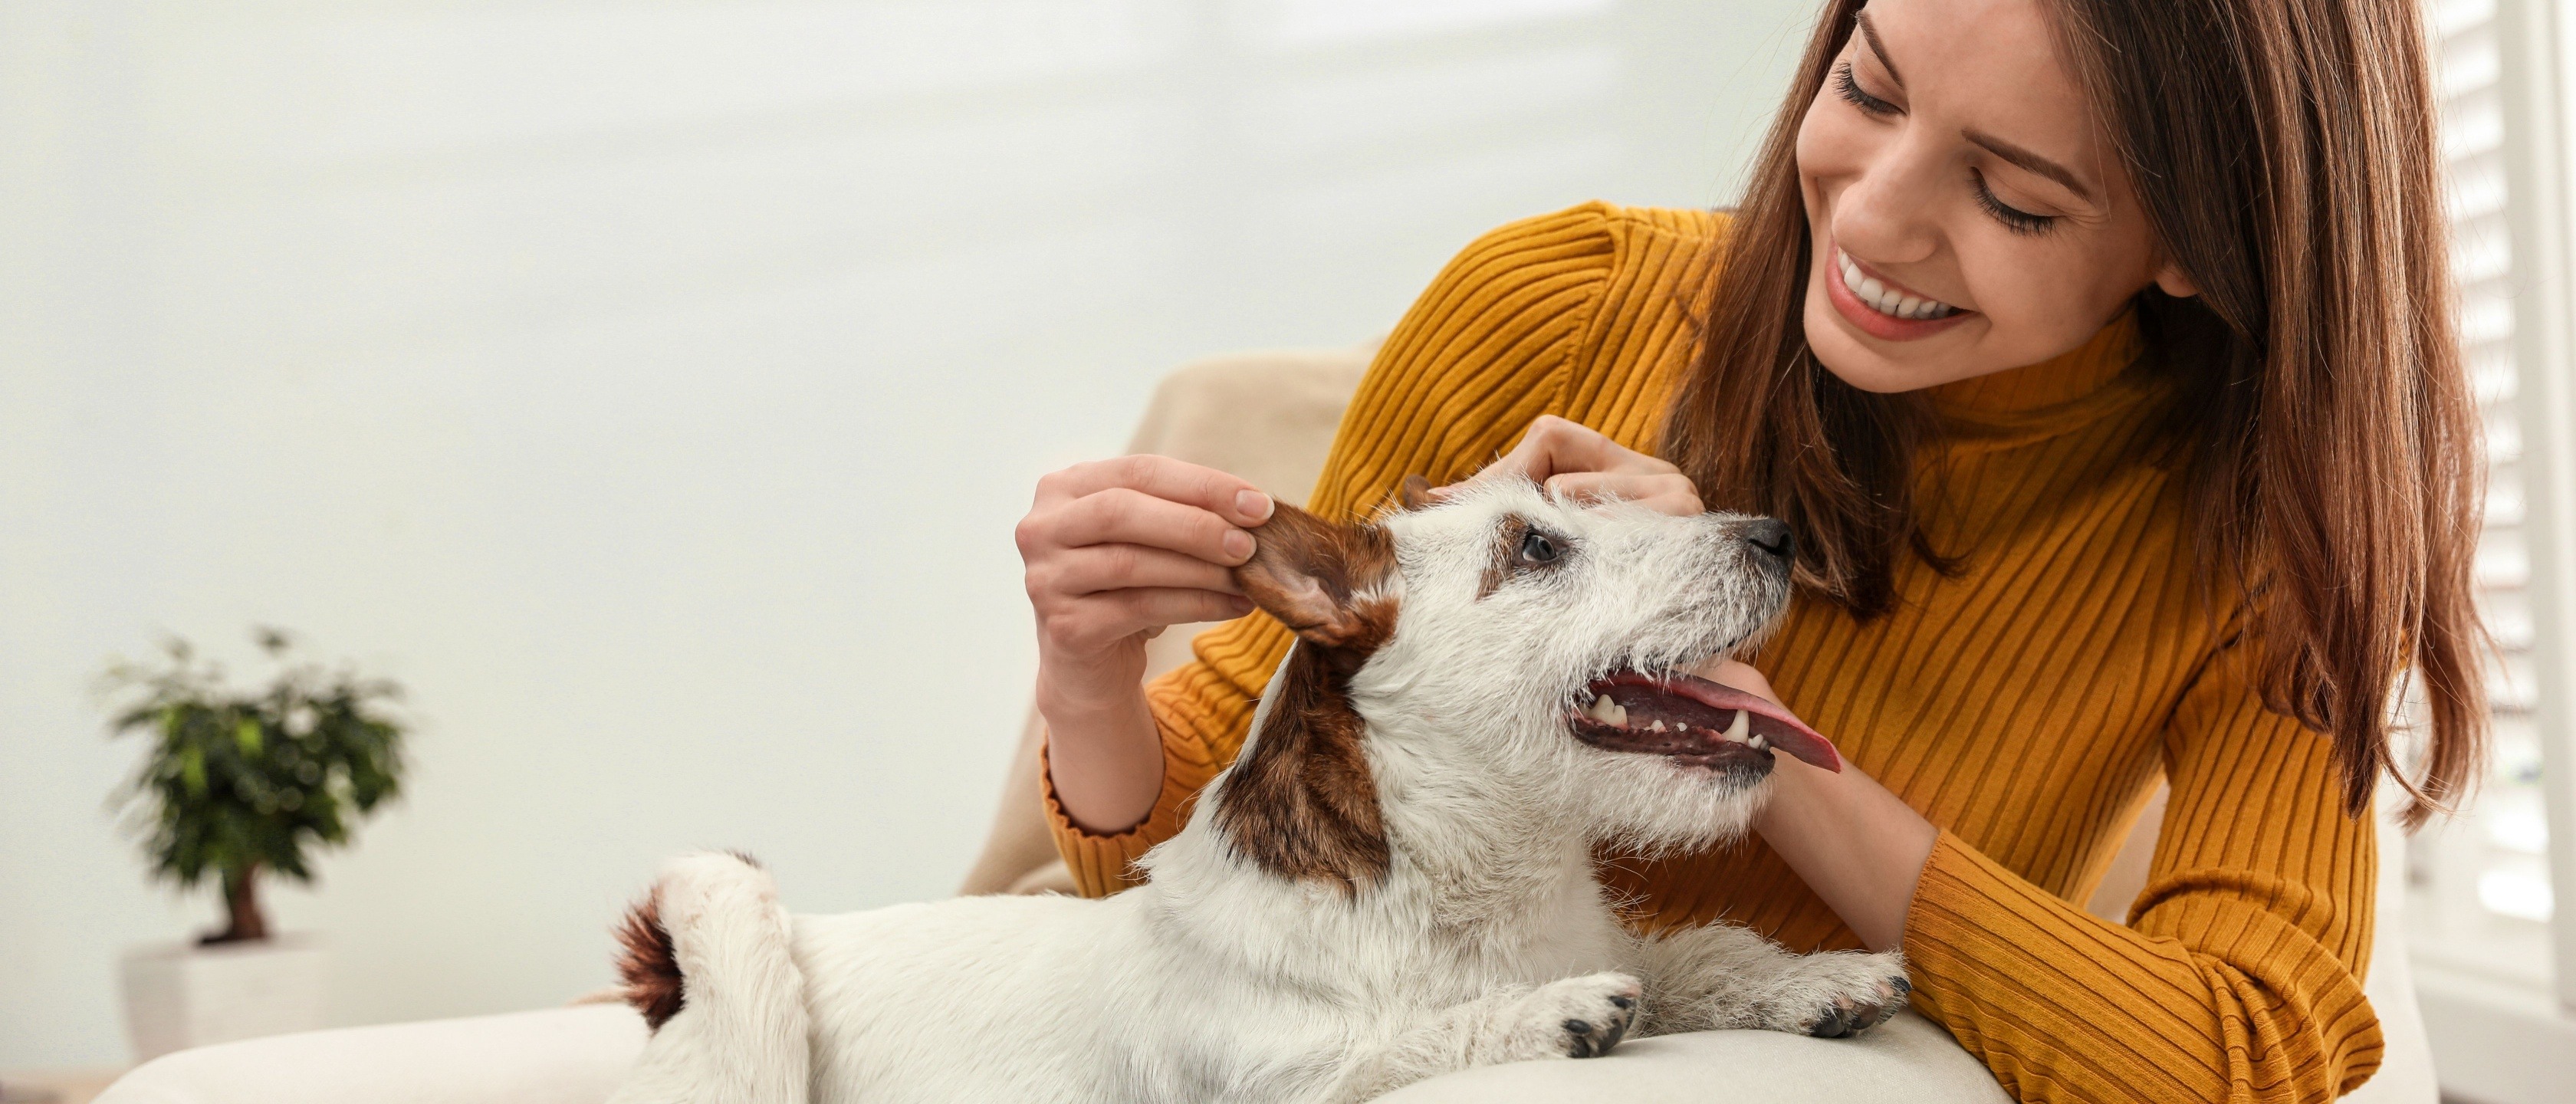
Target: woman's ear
<point x="2173" y="281"/>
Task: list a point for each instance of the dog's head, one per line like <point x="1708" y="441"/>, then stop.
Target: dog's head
<point x="1518" y="645"/>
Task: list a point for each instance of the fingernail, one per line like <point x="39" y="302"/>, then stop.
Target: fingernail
<point x="1238" y="543"/>
<point x="1441" y="492"/>
<point x="1254" y="506"/>
<point x="1242" y="606"/>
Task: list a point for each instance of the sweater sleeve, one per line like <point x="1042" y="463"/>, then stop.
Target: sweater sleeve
<point x="2239" y="974"/>
<point x="1485" y="349"/>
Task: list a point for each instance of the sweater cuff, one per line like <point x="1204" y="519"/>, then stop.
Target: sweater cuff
<point x="1104" y="864"/>
<point x="1101" y="864"/>
<point x="1973" y="924"/>
<point x="2020" y="975"/>
<point x="1985" y="950"/>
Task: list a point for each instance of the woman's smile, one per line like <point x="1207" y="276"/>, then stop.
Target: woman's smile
<point x="1883" y="308"/>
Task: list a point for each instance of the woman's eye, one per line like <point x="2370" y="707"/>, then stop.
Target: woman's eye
<point x="2014" y="219"/>
<point x="1848" y="87"/>
<point x="1537" y="548"/>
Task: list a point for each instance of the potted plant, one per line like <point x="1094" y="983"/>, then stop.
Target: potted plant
<point x="239" y="786"/>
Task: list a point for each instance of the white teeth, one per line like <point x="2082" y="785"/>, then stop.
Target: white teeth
<point x="1608" y="712"/>
<point x="1735" y="732"/>
<point x="1879" y="297"/>
<point x="1658" y="726"/>
<point x="1758" y="743"/>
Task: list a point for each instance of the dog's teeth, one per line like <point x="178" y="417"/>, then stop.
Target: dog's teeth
<point x="1743" y="724"/>
<point x="1658" y="726"/>
<point x="1608" y="712"/>
<point x="1758" y="743"/>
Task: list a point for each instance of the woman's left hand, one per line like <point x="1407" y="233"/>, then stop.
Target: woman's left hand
<point x="1577" y="461"/>
<point x="1860" y="847"/>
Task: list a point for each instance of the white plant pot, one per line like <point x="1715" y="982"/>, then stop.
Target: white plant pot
<point x="180" y="995"/>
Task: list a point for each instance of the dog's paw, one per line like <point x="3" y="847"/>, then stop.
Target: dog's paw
<point x="1578" y="1017"/>
<point x="1832" y="996"/>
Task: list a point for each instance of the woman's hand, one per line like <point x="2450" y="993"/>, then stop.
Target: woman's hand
<point x="1859" y="846"/>
<point x="1577" y="461"/>
<point x="1116" y="551"/>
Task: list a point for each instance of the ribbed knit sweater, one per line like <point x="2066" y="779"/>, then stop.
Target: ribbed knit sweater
<point x="2026" y="704"/>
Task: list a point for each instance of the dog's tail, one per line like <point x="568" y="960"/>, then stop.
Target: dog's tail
<point x="707" y="957"/>
<point x="648" y="966"/>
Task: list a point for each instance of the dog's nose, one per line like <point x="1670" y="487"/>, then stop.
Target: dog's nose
<point x="1772" y="537"/>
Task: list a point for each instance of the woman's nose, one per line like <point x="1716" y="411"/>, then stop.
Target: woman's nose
<point x="1885" y="215"/>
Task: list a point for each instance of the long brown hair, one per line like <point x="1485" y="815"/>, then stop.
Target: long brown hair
<point x="2284" y="154"/>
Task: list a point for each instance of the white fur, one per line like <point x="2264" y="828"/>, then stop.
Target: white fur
<point x="1488" y="941"/>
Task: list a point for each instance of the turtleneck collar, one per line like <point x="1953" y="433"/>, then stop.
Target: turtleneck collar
<point x="2052" y="396"/>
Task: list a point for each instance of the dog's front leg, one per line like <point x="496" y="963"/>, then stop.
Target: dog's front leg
<point x="1577" y="1017"/>
<point x="1723" y="976"/>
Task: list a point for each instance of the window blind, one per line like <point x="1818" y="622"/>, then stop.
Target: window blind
<point x="2490" y="872"/>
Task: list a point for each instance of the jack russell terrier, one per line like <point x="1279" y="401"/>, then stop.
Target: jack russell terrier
<point x="1393" y="881"/>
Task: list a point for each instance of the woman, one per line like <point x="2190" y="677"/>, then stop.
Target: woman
<point x="2099" y="355"/>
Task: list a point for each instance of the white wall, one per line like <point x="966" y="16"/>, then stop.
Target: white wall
<point x="652" y="387"/>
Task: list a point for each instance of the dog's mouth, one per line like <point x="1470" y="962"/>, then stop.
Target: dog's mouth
<point x="1693" y="721"/>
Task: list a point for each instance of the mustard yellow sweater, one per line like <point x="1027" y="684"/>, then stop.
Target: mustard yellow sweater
<point x="2027" y="705"/>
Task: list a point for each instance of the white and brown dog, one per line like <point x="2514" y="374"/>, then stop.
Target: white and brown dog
<point x="1394" y="880"/>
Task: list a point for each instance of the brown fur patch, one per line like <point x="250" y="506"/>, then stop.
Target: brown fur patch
<point x="1301" y="803"/>
<point x="1415" y="492"/>
<point x="1507" y="548"/>
<point x="648" y="965"/>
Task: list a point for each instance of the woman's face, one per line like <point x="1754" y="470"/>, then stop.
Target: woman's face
<point x="1967" y="213"/>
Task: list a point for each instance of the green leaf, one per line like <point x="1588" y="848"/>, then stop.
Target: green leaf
<point x="246" y="735"/>
<point x="192" y="768"/>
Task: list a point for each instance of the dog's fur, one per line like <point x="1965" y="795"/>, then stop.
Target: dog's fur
<point x="1392" y="882"/>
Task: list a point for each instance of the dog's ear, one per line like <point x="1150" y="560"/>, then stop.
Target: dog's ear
<point x="1300" y="802"/>
<point x="1322" y="578"/>
<point x="1416" y="492"/>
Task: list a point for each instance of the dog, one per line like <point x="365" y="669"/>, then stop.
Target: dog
<point x="1393" y="881"/>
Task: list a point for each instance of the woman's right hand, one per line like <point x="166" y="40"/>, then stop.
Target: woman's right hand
<point x="1116" y="551"/>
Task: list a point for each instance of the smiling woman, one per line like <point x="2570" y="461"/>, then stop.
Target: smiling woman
<point x="2097" y="357"/>
<point x="2297" y="299"/>
<point x="1932" y="221"/>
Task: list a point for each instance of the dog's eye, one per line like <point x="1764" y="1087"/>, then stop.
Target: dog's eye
<point x="1539" y="548"/>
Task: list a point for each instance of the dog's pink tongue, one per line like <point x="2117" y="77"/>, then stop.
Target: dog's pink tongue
<point x="1764" y="717"/>
<point x="1771" y="721"/>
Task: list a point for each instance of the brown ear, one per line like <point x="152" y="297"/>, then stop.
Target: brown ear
<point x="1310" y="574"/>
<point x="1416" y="492"/>
<point x="1300" y="803"/>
